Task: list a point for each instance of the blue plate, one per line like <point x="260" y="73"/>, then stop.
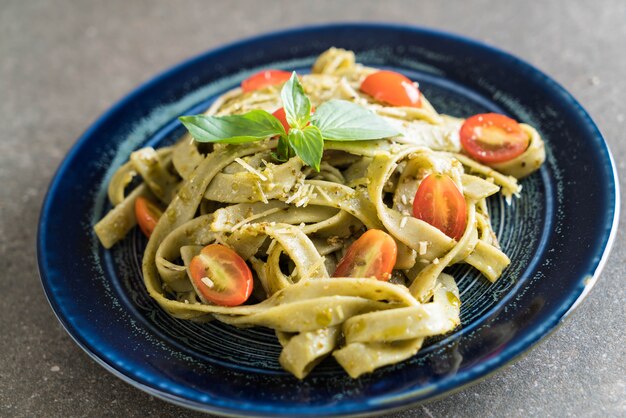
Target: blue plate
<point x="558" y="233"/>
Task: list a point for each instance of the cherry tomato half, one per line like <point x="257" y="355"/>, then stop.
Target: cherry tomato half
<point x="265" y="78"/>
<point x="372" y="255"/>
<point x="493" y="138"/>
<point x="221" y="276"/>
<point x="147" y="215"/>
<point x="282" y="117"/>
<point x="392" y="88"/>
<point x="439" y="202"/>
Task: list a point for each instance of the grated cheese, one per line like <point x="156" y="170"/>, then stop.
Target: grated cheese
<point x="403" y="222"/>
<point x="340" y="313"/>
<point x="303" y="195"/>
<point x="251" y="169"/>
<point x="263" y="195"/>
<point x="294" y="273"/>
<point x="270" y="248"/>
<point x="423" y="247"/>
<point x="351" y="92"/>
<point x="323" y="193"/>
<point x="393" y="112"/>
<point x="208" y="282"/>
<point x="219" y="240"/>
<point x="299" y="190"/>
<point x="436" y="261"/>
<point x="257" y="216"/>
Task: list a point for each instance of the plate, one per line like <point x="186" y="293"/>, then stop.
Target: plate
<point x="558" y="233"/>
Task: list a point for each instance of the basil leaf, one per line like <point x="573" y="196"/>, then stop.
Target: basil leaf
<point x="282" y="149"/>
<point x="308" y="145"/>
<point x="297" y="105"/>
<point x="341" y="120"/>
<point x="233" y="129"/>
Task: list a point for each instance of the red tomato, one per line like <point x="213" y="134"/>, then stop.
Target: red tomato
<point x="440" y="203"/>
<point x="282" y="117"/>
<point x="264" y="79"/>
<point x="493" y="138"/>
<point x="372" y="255"/>
<point x="221" y="276"/>
<point x="392" y="88"/>
<point x="147" y="215"/>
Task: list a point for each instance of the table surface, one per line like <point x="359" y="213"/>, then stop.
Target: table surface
<point x="63" y="63"/>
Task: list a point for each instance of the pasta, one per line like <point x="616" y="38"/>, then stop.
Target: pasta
<point x="293" y="224"/>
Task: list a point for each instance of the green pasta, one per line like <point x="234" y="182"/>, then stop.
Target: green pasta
<point x="293" y="224"/>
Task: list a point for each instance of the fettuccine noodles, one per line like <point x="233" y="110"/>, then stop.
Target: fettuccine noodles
<point x="292" y="225"/>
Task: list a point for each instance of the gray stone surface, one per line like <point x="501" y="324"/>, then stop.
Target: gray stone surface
<point x="63" y="63"/>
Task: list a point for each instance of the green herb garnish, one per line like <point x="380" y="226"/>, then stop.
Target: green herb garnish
<point x="336" y="120"/>
<point x="255" y="125"/>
